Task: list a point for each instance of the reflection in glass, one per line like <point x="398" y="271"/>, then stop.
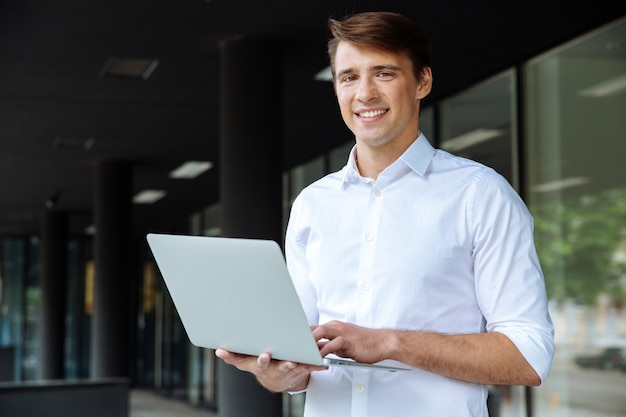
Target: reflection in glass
<point x="480" y="124"/>
<point x="577" y="193"/>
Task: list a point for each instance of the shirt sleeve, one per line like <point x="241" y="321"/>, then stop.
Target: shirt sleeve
<point x="509" y="281"/>
<point x="295" y="253"/>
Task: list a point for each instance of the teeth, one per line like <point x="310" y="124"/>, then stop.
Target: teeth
<point x="372" y="113"/>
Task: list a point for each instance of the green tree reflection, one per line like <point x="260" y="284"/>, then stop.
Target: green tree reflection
<point x="582" y="247"/>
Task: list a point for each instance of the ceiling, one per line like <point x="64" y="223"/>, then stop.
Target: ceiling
<point x="52" y="87"/>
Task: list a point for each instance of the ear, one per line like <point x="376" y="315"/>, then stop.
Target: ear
<point x="424" y="84"/>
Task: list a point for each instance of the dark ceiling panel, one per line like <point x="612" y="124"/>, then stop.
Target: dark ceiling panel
<point x="52" y="55"/>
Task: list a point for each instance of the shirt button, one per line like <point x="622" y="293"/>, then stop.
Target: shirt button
<point x="360" y="388"/>
<point x="377" y="193"/>
<point x="369" y="237"/>
<point x="365" y="286"/>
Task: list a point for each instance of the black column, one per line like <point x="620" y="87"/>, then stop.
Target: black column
<point x="111" y="319"/>
<point x="53" y="286"/>
<point x="251" y="183"/>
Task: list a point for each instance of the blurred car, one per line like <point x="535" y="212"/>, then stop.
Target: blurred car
<point x="608" y="358"/>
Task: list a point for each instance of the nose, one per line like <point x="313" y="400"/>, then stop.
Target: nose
<point x="366" y="90"/>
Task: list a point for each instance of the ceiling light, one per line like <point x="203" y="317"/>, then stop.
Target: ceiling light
<point x="148" y="196"/>
<point x="605" y="88"/>
<point x="73" y="143"/>
<point x="129" y="67"/>
<point x="560" y="184"/>
<point x="213" y="231"/>
<point x="324" y="75"/>
<point x="470" y="139"/>
<point x="191" y="169"/>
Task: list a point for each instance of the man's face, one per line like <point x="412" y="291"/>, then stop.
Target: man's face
<point x="378" y="94"/>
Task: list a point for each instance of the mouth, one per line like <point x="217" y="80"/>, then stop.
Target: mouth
<point x="372" y="113"/>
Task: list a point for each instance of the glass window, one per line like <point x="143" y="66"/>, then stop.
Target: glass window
<point x="298" y="178"/>
<point x="305" y="174"/>
<point x="576" y="126"/>
<point x="338" y="157"/>
<point x="480" y="124"/>
<point x="77" y="333"/>
<point x="19" y="308"/>
<point x="427" y="123"/>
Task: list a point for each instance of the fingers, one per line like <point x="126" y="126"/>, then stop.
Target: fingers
<point x="262" y="363"/>
<point x="340" y="338"/>
<point x="224" y="355"/>
<point x="265" y="360"/>
<point x="330" y="330"/>
<point x="243" y="362"/>
<point x="275" y="375"/>
<point x="339" y="346"/>
<point x="325" y="333"/>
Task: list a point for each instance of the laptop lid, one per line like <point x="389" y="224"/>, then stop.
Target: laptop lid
<point x="236" y="294"/>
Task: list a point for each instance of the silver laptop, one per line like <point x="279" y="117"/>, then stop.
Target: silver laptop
<point x="236" y="294"/>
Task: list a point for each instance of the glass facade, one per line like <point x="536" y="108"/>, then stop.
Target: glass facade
<point x="553" y="126"/>
<point x="78" y="316"/>
<point x="480" y="124"/>
<point x="576" y="189"/>
<point x="19" y="308"/>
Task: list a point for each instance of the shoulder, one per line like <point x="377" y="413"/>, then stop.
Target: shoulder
<point x="314" y="194"/>
<point x="485" y="189"/>
<point x="475" y="173"/>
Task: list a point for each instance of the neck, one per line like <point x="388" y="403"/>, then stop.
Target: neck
<point x="371" y="161"/>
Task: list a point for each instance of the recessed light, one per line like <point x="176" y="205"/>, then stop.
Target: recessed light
<point x="606" y="88"/>
<point x="560" y="184"/>
<point x="470" y="139"/>
<point x="191" y="169"/>
<point x="324" y="75"/>
<point x="148" y="196"/>
<point x="129" y="67"/>
<point x="73" y="143"/>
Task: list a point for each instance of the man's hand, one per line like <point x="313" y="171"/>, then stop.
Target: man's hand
<point x="274" y="375"/>
<point x="484" y="358"/>
<point x="351" y="341"/>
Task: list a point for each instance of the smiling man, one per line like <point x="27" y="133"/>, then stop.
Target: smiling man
<point x="408" y="255"/>
<point x="379" y="96"/>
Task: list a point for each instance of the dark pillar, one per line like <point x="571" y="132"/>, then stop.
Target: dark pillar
<point x="251" y="183"/>
<point x="53" y="285"/>
<point x="112" y="282"/>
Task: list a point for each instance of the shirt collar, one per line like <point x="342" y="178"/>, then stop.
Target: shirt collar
<point x="350" y="172"/>
<point x="417" y="157"/>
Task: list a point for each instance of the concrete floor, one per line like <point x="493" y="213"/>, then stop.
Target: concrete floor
<point x="145" y="403"/>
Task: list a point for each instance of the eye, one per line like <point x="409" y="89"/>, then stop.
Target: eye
<point x="348" y="78"/>
<point x="384" y="75"/>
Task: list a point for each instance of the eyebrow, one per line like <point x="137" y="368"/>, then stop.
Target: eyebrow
<point x="373" y="68"/>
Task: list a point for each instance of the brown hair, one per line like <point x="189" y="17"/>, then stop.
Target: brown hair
<point x="382" y="30"/>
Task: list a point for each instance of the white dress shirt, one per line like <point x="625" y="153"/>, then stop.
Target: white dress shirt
<point x="437" y="243"/>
